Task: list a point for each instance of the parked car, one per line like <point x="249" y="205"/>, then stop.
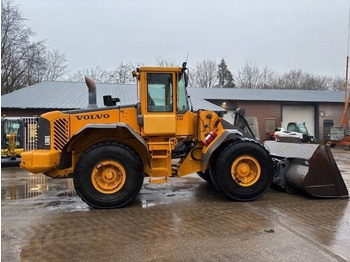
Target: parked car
<point x="296" y="132"/>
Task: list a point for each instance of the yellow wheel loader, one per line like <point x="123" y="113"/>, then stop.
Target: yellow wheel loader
<point x="11" y="140"/>
<point x="109" y="150"/>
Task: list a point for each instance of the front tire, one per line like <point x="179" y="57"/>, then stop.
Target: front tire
<point x="108" y="175"/>
<point x="205" y="176"/>
<point x="243" y="171"/>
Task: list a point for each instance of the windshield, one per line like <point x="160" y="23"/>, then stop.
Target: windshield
<point x="302" y="128"/>
<point x="182" y="102"/>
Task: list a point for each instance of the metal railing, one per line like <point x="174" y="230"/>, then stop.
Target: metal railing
<point x="30" y="133"/>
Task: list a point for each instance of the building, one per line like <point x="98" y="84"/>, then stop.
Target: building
<point x="266" y="109"/>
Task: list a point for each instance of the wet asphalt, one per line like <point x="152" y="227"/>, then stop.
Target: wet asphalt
<point x="184" y="220"/>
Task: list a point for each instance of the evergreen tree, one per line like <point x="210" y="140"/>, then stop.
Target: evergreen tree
<point x="225" y="77"/>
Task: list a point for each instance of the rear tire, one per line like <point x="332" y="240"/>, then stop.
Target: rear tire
<point x="243" y="171"/>
<point x="108" y="175"/>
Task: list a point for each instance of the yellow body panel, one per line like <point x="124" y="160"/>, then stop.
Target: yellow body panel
<point x="129" y="116"/>
<point x="159" y="124"/>
<point x="81" y="120"/>
<point x="186" y="124"/>
<point x="38" y="161"/>
<point x="190" y="165"/>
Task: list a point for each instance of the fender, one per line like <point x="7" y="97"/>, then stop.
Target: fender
<point x="66" y="154"/>
<point x="209" y="150"/>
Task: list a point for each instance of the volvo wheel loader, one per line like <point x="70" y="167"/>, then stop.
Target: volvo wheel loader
<point x="109" y="150"/>
<point x="11" y="140"/>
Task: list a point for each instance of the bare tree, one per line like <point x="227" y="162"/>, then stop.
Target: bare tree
<point x="123" y="73"/>
<point x="298" y="79"/>
<point x="55" y="67"/>
<point x="165" y="62"/>
<point x="249" y="77"/>
<point x="23" y="62"/>
<point x="292" y="79"/>
<point x="337" y="83"/>
<point x="98" y="74"/>
<point x="268" y="78"/>
<point x="204" y="74"/>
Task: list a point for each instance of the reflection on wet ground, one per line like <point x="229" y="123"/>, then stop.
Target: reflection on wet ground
<point x="183" y="220"/>
<point x="20" y="184"/>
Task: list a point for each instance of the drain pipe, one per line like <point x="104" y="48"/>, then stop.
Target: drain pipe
<point x="92" y="92"/>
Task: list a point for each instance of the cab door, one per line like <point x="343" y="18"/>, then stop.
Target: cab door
<point x="159" y="117"/>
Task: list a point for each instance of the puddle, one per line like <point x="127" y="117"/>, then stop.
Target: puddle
<point x="20" y="184"/>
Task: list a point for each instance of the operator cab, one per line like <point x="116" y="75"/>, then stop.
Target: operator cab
<point x="163" y="95"/>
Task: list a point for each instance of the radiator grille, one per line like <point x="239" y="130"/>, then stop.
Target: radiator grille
<point x="61" y="133"/>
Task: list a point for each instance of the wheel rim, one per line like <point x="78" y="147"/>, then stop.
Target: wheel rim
<point x="108" y="176"/>
<point x="245" y="170"/>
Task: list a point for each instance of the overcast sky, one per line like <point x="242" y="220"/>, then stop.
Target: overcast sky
<point x="281" y="34"/>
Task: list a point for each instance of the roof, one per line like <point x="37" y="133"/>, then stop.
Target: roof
<point x="71" y="95"/>
<point x="281" y="95"/>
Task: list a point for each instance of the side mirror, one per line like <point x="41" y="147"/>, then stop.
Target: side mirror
<point x="109" y="101"/>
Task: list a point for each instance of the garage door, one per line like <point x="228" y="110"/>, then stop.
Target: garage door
<point x="299" y="114"/>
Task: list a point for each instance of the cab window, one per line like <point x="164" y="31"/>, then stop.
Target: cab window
<point x="182" y="102"/>
<point x="292" y="127"/>
<point x="159" y="92"/>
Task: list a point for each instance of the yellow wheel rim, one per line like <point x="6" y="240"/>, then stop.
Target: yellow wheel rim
<point x="245" y="170"/>
<point x="108" y="176"/>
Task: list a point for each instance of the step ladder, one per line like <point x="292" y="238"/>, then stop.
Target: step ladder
<point x="160" y="159"/>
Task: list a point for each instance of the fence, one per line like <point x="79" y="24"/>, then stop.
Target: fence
<point x="30" y="133"/>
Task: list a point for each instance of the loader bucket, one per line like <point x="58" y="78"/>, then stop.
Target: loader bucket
<point x="310" y="168"/>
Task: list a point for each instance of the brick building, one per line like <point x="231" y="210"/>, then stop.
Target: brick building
<point x="266" y="109"/>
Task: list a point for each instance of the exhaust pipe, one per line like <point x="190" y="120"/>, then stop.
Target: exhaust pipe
<point x="92" y="92"/>
<point x="309" y="168"/>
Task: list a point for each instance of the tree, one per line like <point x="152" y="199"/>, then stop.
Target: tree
<point x="204" y="74"/>
<point x="24" y="62"/>
<point x="249" y="77"/>
<point x="225" y="77"/>
<point x="268" y="78"/>
<point x="98" y="74"/>
<point x="55" y="65"/>
<point x="298" y="79"/>
<point x="123" y="73"/>
<point x="165" y="62"/>
<point x="337" y="83"/>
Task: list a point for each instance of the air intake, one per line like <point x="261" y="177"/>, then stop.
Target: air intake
<point x="61" y="133"/>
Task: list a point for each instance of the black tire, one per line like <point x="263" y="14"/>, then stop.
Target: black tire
<point x="120" y="161"/>
<point x="205" y="176"/>
<point x="250" y="152"/>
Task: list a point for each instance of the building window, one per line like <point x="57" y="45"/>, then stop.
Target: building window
<point x="270" y="125"/>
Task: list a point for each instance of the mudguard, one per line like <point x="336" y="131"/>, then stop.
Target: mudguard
<point x="66" y="154"/>
<point x="209" y="150"/>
